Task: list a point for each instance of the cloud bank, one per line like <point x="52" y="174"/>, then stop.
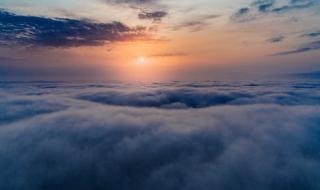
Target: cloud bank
<point x="80" y="144"/>
<point x="194" y="95"/>
<point x="32" y="31"/>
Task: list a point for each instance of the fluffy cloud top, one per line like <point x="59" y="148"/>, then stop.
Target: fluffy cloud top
<point x="69" y="143"/>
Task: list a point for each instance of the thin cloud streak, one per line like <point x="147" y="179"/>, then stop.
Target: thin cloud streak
<point x="197" y="23"/>
<point x="312" y="46"/>
<point x="276" y="39"/>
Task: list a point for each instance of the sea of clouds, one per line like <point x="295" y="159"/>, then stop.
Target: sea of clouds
<point x="160" y="136"/>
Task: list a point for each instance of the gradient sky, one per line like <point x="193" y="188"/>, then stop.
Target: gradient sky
<point x="149" y="40"/>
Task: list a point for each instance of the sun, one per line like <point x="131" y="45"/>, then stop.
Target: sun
<point x="141" y="60"/>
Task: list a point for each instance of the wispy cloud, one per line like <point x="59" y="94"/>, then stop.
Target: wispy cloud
<point x="311" y="46"/>
<point x="312" y="34"/>
<point x="242" y="11"/>
<point x="263" y="7"/>
<point x="197" y="23"/>
<point x="173" y="54"/>
<point x="138" y="4"/>
<point x="155" y="16"/>
<point x="276" y="39"/>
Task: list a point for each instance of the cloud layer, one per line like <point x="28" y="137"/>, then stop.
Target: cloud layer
<point x="194" y="95"/>
<point x="69" y="143"/>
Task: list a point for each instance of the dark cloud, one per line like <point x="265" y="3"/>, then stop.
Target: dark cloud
<point x="148" y="9"/>
<point x="183" y="98"/>
<point x="155" y="16"/>
<point x="312" y="46"/>
<point x="270" y="5"/>
<point x="56" y="32"/>
<point x="242" y="11"/>
<point x="197" y="98"/>
<point x="261" y="7"/>
<point x="276" y="39"/>
<point x="242" y="15"/>
<point x="312" y="34"/>
<point x="197" y="23"/>
<point x="294" y="4"/>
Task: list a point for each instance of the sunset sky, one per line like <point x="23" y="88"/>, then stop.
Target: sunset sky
<point x="159" y="94"/>
<point x="151" y="40"/>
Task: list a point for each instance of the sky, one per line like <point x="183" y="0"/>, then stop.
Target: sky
<point x="155" y="40"/>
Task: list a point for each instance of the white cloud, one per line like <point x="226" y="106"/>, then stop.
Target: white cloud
<point x="86" y="145"/>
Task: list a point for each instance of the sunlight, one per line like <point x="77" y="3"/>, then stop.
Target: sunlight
<point x="141" y="60"/>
